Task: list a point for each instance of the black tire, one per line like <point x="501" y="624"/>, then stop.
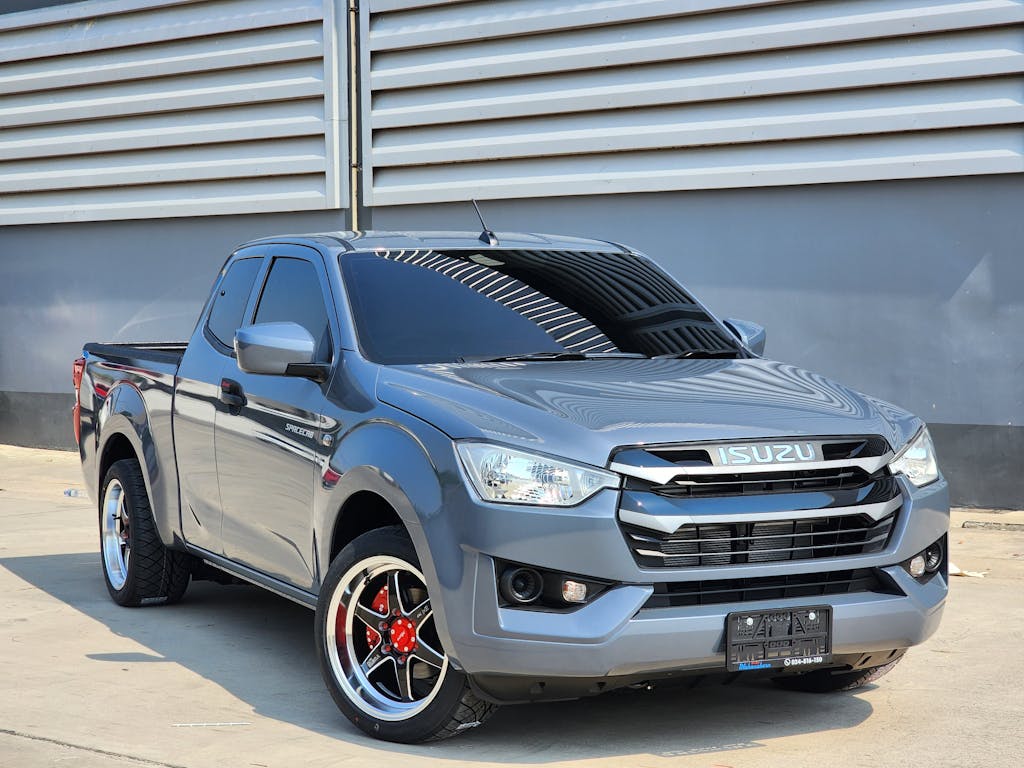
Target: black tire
<point x="449" y="710"/>
<point x="829" y="681"/>
<point x="147" y="573"/>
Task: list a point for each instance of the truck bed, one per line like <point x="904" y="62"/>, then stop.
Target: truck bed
<point x="166" y="352"/>
<point x="140" y="410"/>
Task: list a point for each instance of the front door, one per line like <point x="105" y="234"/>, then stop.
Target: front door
<point x="196" y="402"/>
<point x="266" y="447"/>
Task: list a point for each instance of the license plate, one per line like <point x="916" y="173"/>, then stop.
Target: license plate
<point x="778" y="639"/>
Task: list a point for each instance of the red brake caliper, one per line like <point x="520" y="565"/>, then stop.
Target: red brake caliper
<point x="402" y="631"/>
<point x="380" y="605"/>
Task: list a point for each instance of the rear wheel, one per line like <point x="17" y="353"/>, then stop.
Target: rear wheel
<point x="379" y="650"/>
<point x="137" y="568"/>
<point x="828" y="681"/>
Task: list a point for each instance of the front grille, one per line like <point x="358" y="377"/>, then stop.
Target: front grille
<point x="771" y="541"/>
<point x="689" y="593"/>
<point x="781" y="500"/>
<point x="760" y="483"/>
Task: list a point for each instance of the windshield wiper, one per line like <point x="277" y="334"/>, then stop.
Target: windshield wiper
<point x="534" y="356"/>
<point x="698" y="353"/>
<point x="548" y="356"/>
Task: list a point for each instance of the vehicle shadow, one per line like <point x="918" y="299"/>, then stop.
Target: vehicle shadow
<point x="259" y="647"/>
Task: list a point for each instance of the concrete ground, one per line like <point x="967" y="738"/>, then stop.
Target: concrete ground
<point x="229" y="677"/>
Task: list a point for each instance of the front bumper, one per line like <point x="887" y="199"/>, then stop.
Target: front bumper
<point x="590" y="642"/>
<point x="614" y="636"/>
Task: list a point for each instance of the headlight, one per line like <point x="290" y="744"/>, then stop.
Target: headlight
<point x="517" y="477"/>
<point x="917" y="460"/>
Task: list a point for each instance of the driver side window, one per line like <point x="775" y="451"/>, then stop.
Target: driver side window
<point x="292" y="293"/>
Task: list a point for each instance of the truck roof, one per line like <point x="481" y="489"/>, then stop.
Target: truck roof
<point x="373" y="239"/>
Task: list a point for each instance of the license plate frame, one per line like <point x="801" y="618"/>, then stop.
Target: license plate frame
<point x="778" y="638"/>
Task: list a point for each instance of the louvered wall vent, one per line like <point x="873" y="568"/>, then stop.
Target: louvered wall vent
<point x="128" y="109"/>
<point x="522" y="98"/>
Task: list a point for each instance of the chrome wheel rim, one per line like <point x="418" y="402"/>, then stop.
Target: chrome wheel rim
<point x="115" y="532"/>
<point x="387" y="662"/>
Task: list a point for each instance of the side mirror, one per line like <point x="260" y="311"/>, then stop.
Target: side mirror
<point x="278" y="348"/>
<point x="751" y="335"/>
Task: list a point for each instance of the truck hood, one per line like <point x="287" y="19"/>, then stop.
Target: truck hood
<point x="584" y="409"/>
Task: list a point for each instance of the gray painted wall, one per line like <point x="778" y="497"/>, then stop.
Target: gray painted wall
<point x="64" y="284"/>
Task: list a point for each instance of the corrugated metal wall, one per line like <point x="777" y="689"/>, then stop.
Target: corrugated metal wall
<point x="128" y="109"/>
<point x="523" y="98"/>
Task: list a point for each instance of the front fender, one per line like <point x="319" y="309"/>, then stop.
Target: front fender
<point x="396" y="462"/>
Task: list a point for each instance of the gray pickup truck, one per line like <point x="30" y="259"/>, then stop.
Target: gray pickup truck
<point x="510" y="468"/>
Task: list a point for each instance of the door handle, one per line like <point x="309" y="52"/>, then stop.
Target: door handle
<point x="231" y="393"/>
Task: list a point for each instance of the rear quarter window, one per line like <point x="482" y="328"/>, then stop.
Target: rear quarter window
<point x="231" y="298"/>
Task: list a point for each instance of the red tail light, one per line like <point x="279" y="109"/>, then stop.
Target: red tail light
<point x="76" y="378"/>
<point x="76" y="372"/>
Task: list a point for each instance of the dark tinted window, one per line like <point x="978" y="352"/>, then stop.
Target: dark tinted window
<point x="231" y="298"/>
<point x="426" y="306"/>
<point x="292" y="293"/>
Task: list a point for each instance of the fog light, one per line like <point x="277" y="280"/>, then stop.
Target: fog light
<point x="521" y="585"/>
<point x="916" y="566"/>
<point x="933" y="557"/>
<point x="574" y="591"/>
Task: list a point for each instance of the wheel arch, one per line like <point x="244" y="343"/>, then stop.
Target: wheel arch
<point x="116" y="448"/>
<point x="362" y="512"/>
<point x="123" y="426"/>
<point x="379" y="474"/>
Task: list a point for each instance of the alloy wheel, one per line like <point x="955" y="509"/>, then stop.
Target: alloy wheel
<point x="116" y="539"/>
<point x="381" y="639"/>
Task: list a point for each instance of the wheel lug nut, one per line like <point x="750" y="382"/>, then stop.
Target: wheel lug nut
<point x="401" y="659"/>
<point x="382" y="626"/>
<point x="387" y="649"/>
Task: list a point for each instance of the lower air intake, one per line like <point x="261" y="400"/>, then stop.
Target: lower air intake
<point x="687" y="593"/>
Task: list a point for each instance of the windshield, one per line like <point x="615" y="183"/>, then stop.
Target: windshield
<point x="428" y="306"/>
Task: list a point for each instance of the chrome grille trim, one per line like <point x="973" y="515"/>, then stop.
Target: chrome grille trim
<point x="672" y="523"/>
<point x="663" y="472"/>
